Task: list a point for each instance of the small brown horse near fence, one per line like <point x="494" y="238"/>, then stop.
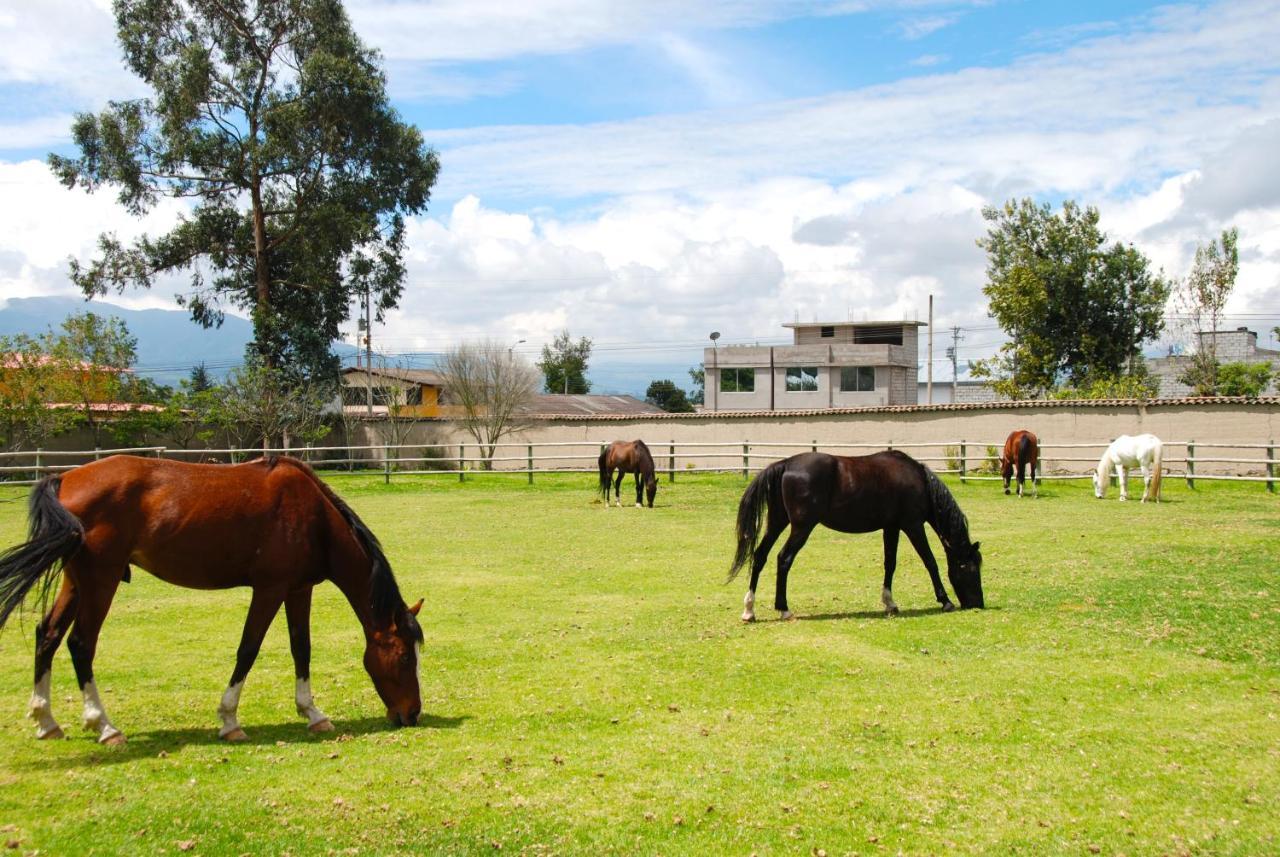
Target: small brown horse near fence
<point x="627" y="456"/>
<point x="269" y="524"/>
<point x="1021" y="450"/>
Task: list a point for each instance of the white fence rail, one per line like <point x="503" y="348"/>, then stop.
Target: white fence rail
<point x="966" y="458"/>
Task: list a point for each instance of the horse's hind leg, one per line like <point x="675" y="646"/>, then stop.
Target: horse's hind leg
<point x="890" y="564"/>
<point x="297" y="610"/>
<point x="1022" y="476"/>
<point x="799" y="535"/>
<point x="96" y="588"/>
<point x="48" y="637"/>
<point x="263" y="607"/>
<point x="758" y="559"/>
<point x="920" y="542"/>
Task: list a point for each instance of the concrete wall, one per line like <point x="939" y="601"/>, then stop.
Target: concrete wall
<point x="1255" y="422"/>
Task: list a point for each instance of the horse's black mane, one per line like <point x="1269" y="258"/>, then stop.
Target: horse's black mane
<point x="951" y="524"/>
<point x="384" y="593"/>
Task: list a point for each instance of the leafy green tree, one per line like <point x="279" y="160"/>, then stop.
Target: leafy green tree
<point x="1136" y="386"/>
<point x="93" y="356"/>
<point x="699" y="378"/>
<point x="199" y="381"/>
<point x="1243" y="379"/>
<point x="28" y="386"/>
<point x="564" y="364"/>
<point x="1202" y="298"/>
<point x="264" y="406"/>
<point x="669" y="397"/>
<point x="1076" y="309"/>
<point x="272" y="118"/>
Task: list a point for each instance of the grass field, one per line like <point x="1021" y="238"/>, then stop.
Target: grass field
<point x="588" y="688"/>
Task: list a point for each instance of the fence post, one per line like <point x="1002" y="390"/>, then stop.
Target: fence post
<point x="530" y="464"/>
<point x="815" y="445"/>
<point x="96" y="454"/>
<point x="462" y="453"/>
<point x="386" y="464"/>
<point x="746" y="459"/>
<point x="1191" y="464"/>
<point x="671" y="463"/>
<point x="963" y="468"/>
<point x="38" y="451"/>
<point x="306" y="456"/>
<point x="1039" y="463"/>
<point x="1271" y="466"/>
<point x="231" y="453"/>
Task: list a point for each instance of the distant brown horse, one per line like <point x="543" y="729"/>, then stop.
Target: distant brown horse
<point x="269" y="524"/>
<point x="627" y="456"/>
<point x="1021" y="450"/>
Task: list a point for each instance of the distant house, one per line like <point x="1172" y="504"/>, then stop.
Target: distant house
<point x="1232" y="346"/>
<point x="415" y="391"/>
<point x="829" y="365"/>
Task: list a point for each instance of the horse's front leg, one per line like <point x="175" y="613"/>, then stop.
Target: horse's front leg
<point x="262" y="609"/>
<point x="1122" y="476"/>
<point x="920" y="542"/>
<point x="297" y="610"/>
<point x="639" y="491"/>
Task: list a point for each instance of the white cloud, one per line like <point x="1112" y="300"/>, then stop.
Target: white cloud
<point x="929" y="60"/>
<point x="917" y="28"/>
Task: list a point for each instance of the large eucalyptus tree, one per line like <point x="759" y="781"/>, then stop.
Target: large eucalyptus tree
<point x="272" y="119"/>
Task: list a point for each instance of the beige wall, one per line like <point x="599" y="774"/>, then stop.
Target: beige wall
<point x="1256" y="422"/>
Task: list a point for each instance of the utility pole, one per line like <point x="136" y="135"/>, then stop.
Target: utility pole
<point x="951" y="352"/>
<point x="368" y="354"/>
<point x="929" y="386"/>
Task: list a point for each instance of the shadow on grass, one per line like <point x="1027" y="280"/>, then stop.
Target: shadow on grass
<point x="878" y="614"/>
<point x="146" y="744"/>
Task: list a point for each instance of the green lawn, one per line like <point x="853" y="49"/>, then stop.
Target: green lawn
<point x="588" y="688"/>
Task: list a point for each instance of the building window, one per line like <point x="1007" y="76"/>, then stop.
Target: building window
<point x="857" y="379"/>
<point x="877" y="336"/>
<point x="828" y="331"/>
<point x="737" y="380"/>
<point x="802" y="379"/>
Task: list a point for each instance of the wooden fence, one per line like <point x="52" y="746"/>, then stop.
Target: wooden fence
<point x="968" y="459"/>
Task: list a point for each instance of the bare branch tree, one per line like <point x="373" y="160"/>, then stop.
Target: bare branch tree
<point x="1202" y="299"/>
<point x="492" y="386"/>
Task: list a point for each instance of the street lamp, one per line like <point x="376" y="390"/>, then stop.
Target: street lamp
<point x="715" y="372"/>
<point x="511" y="348"/>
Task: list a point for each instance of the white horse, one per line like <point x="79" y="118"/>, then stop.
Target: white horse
<point x="1143" y="451"/>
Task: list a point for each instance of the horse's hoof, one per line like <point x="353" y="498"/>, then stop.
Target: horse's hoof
<point x="638" y="506"/>
<point x="748" y="617"/>
<point x="786" y="616"/>
<point x="1006" y="492"/>
<point x="325" y="725"/>
<point x="113" y="739"/>
<point x="948" y="607"/>
<point x="53" y="734"/>
<point x="891" y="611"/>
<point x="235" y="735"/>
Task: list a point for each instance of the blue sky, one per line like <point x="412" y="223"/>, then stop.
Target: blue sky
<point x="642" y="173"/>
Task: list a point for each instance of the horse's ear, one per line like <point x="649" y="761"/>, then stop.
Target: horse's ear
<point x="975" y="548"/>
<point x="415" y="608"/>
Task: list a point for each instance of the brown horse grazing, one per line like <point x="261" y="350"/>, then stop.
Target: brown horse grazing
<point x="270" y="524"/>
<point x="887" y="491"/>
<point x="1021" y="450"/>
<point x="627" y="457"/>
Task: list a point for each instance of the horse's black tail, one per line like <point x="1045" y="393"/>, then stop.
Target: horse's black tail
<point x="763" y="490"/>
<point x="949" y="522"/>
<point x="55" y="535"/>
<point x="604" y="475"/>
<point x="1025" y="457"/>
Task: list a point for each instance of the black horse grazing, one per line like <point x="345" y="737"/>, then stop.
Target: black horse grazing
<point x="887" y="491"/>
<point x="627" y="456"/>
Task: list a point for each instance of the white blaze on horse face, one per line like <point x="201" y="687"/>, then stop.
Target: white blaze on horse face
<point x="40" y="710"/>
<point x="95" y="715"/>
<point x="305" y="704"/>
<point x="227" y="709"/>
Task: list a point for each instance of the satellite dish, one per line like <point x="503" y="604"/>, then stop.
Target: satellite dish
<point x="715" y="334"/>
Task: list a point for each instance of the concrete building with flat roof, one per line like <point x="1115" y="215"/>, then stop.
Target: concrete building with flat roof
<point x="842" y="364"/>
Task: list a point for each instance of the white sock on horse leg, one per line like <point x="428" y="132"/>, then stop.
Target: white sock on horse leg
<point x="41" y="710"/>
<point x="95" y="714"/>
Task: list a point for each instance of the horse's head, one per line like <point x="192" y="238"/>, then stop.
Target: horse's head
<point x="391" y="658"/>
<point x="964" y="569"/>
<point x="650" y="487"/>
<point x="1099" y="483"/>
